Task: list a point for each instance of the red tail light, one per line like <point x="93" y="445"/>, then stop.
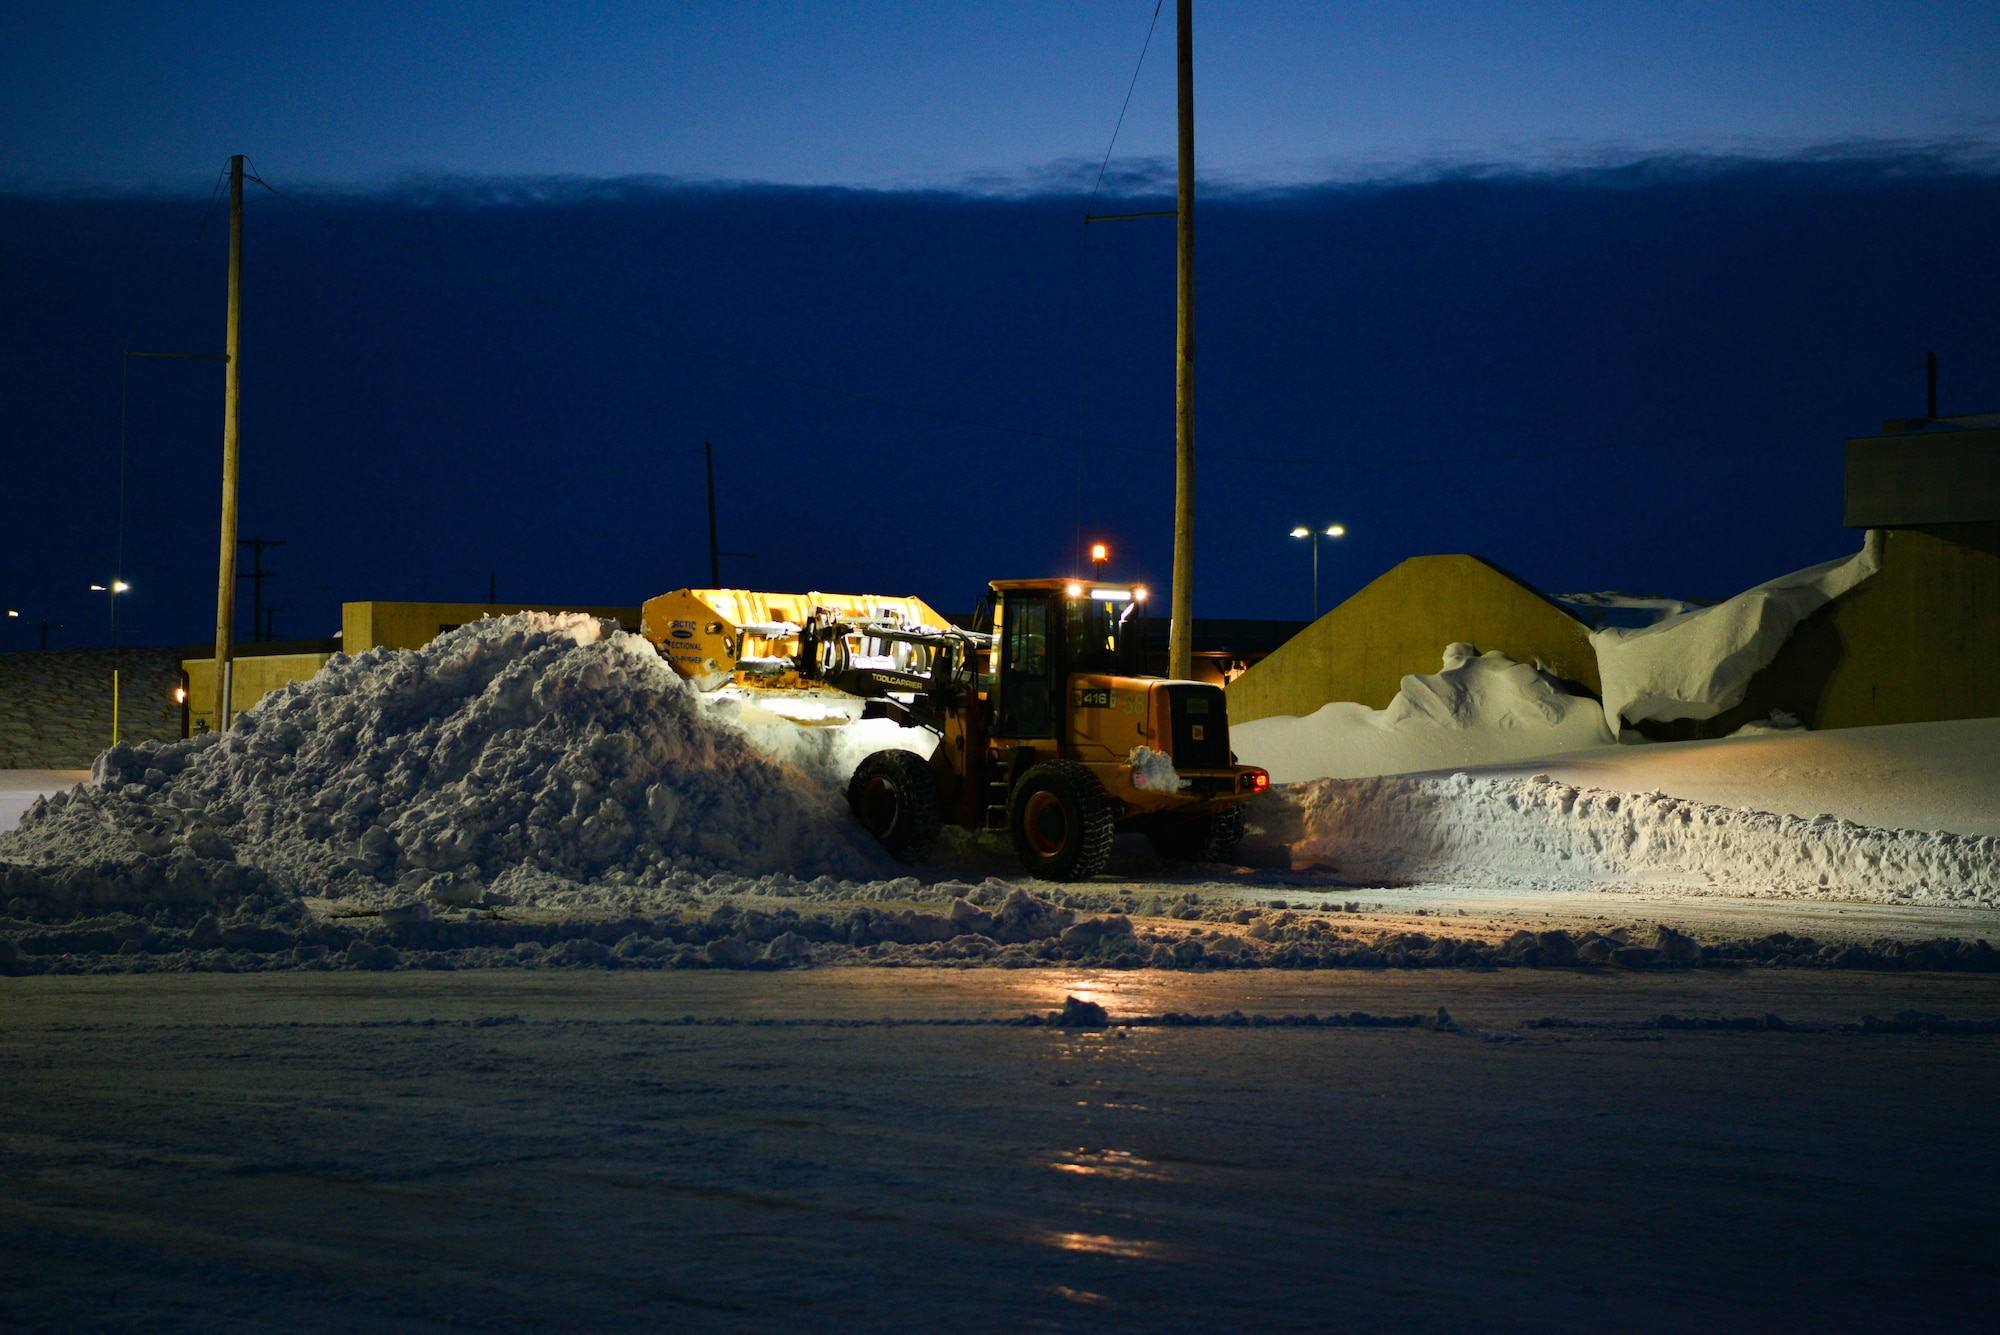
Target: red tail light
<point x="1256" y="781"/>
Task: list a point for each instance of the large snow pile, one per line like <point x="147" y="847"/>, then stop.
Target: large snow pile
<point x="1699" y="663"/>
<point x="1536" y="832"/>
<point x="1479" y="709"/>
<point x="529" y="748"/>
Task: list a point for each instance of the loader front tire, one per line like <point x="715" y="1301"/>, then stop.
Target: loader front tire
<point x="894" y="795"/>
<point x="1212" y="837"/>
<point x="1062" y="821"/>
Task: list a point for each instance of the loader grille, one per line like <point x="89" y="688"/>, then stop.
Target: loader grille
<point x="1201" y="727"/>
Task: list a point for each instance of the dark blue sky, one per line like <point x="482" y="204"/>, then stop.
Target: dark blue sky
<point x="993" y="91"/>
<point x="1680" y="347"/>
<point x="1674" y="253"/>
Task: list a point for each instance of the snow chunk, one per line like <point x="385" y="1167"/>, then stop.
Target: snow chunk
<point x="1479" y="709"/>
<point x="1699" y="663"/>
<point x="1153" y="771"/>
<point x="820" y="733"/>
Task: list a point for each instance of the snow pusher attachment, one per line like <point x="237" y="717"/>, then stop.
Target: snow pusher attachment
<point x="1043" y="729"/>
<point x="716" y="636"/>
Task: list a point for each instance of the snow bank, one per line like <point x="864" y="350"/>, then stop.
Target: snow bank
<point x="1909" y="776"/>
<point x="1539" y="833"/>
<point x="1699" y="663"/>
<point x="1479" y="709"/>
<point x="521" y="749"/>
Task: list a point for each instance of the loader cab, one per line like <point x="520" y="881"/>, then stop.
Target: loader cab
<point x="1048" y="629"/>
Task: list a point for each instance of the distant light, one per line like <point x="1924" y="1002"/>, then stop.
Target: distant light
<point x="180" y="695"/>
<point x="1074" y="590"/>
<point x="1139" y="594"/>
<point x="120" y="586"/>
<point x="1302" y="532"/>
<point x="1336" y="531"/>
<point x="1112" y="595"/>
<point x="97" y="588"/>
<point x="12" y="613"/>
<point x="1099" y="553"/>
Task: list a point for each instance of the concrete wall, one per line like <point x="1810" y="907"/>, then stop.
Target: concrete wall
<point x="254" y="677"/>
<point x="1917" y="643"/>
<point x="1400" y="624"/>
<point x="414" y="625"/>
<point x="55" y="704"/>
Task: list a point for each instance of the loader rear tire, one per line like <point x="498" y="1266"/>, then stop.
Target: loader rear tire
<point x="1062" y="821"/>
<point x="1211" y="837"/>
<point x="894" y="795"/>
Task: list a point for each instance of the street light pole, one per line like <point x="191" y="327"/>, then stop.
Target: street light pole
<point x="1330" y="531"/>
<point x="116" y="587"/>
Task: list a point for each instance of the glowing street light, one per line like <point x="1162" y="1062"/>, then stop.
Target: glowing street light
<point x="116" y="587"/>
<point x="1330" y="531"/>
<point x="1099" y="554"/>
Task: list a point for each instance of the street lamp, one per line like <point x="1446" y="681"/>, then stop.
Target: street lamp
<point x="117" y="587"/>
<point x="1099" y="554"/>
<point x="1330" y="531"/>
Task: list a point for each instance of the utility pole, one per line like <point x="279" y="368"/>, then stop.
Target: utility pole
<point x="1180" y="631"/>
<point x="1930" y="385"/>
<point x="714" y="552"/>
<point x="225" y="580"/>
<point x="257" y="575"/>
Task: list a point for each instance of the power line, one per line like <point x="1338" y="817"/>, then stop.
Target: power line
<point x="1083" y="287"/>
<point x="1122" y="109"/>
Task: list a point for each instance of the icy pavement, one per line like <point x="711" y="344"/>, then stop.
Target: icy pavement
<point x="892" y="1150"/>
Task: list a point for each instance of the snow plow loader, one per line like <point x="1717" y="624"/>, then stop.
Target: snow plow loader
<point x="1043" y="727"/>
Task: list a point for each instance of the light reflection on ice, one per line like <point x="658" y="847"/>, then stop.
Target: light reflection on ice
<point x="1102" y="1244"/>
<point x="1119" y="1165"/>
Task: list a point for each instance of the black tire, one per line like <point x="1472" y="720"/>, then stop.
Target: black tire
<point x="1210" y="837"/>
<point x="1062" y="821"/>
<point x="894" y="795"/>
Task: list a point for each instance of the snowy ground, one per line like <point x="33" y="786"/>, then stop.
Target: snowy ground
<point x="882" y="1150"/>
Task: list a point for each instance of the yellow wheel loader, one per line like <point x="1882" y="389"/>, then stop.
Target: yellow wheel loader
<point x="1042" y="726"/>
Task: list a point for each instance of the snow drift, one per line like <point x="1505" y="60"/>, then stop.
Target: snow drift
<point x="1542" y="834"/>
<point x="1478" y="709"/>
<point x="1699" y="663"/>
<point x="531" y="746"/>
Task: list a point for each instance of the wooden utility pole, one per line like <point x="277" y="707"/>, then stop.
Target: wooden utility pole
<point x="714" y="551"/>
<point x="225" y="581"/>
<point x="1180" y="631"/>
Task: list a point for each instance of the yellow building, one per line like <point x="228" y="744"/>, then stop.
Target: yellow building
<point x="1400" y="624"/>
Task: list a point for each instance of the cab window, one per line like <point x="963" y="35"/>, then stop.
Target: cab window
<point x="1026" y="707"/>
